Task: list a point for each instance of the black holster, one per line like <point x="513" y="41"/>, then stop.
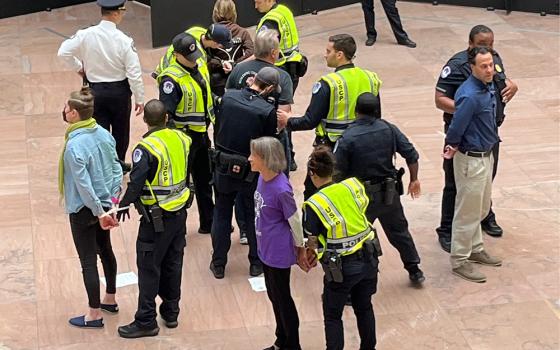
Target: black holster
<point x="389" y="190"/>
<point x="156" y="214"/>
<point x="332" y="265"/>
<point x="190" y="200"/>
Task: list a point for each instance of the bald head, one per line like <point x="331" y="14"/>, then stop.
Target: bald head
<point x="368" y="106"/>
<point x="155" y="113"/>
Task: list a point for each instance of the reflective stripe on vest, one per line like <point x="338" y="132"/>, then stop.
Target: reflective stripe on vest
<point x="341" y="208"/>
<point x="169" y="58"/>
<point x="345" y="87"/>
<point x="289" y="37"/>
<point x="169" y="187"/>
<point x="190" y="111"/>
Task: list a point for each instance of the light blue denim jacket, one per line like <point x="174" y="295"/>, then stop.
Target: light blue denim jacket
<point x="92" y="174"/>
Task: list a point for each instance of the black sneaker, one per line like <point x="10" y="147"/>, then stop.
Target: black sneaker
<point x="218" y="271"/>
<point x="416" y="277"/>
<point x="255" y="270"/>
<point x="243" y="238"/>
<point x="492" y="229"/>
<point x="134" y="331"/>
<point x="110" y="308"/>
<point x="170" y="324"/>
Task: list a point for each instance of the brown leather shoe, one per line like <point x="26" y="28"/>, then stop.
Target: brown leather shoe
<point x="484" y="258"/>
<point x="468" y="272"/>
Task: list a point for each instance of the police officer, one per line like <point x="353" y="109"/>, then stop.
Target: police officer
<point x="106" y="58"/>
<point x="159" y="188"/>
<point x="213" y="37"/>
<point x="184" y="89"/>
<point x="455" y="72"/>
<point x="337" y="226"/>
<point x="334" y="96"/>
<point x="281" y="19"/>
<point x="392" y="13"/>
<point x="365" y="151"/>
<point x="242" y="116"/>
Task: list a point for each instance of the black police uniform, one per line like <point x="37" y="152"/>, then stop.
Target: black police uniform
<point x="199" y="165"/>
<point x="455" y="72"/>
<point x="359" y="271"/>
<point x="317" y="110"/>
<point x="243" y="115"/>
<point x="159" y="256"/>
<point x="392" y="15"/>
<point x="366" y="150"/>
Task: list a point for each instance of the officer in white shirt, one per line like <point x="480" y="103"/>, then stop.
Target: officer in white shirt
<point x="106" y="58"/>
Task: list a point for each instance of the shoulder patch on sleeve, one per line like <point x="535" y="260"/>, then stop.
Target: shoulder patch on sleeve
<point x="445" y="72"/>
<point x="168" y="87"/>
<point x="136" y="156"/>
<point x="316" y="87"/>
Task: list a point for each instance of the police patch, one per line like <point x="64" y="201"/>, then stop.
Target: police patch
<point x="192" y="47"/>
<point x="445" y="72"/>
<point x="316" y="88"/>
<point x="168" y="87"/>
<point x="136" y="156"/>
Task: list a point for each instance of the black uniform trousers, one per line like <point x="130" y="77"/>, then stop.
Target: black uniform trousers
<point x="112" y="109"/>
<point x="360" y="282"/>
<point x="90" y="239"/>
<point x="277" y="283"/>
<point x="392" y="15"/>
<point x="199" y="168"/>
<point x="450" y="192"/>
<point x="159" y="257"/>
<point x="291" y="68"/>
<point x="226" y="197"/>
<point x="395" y="225"/>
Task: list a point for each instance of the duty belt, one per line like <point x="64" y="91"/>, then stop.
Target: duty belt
<point x="477" y="154"/>
<point x="165" y="190"/>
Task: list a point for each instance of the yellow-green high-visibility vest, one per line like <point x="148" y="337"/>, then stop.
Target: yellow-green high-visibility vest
<point x="345" y="87"/>
<point x="169" y="187"/>
<point x="169" y="57"/>
<point x="289" y="38"/>
<point x="190" y="111"/>
<point x="341" y="207"/>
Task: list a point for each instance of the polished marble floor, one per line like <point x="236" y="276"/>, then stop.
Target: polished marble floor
<point x="517" y="309"/>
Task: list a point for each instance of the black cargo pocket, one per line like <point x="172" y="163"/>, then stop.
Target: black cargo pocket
<point x="144" y="254"/>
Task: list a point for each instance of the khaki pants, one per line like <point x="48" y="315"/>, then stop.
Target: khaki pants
<point x="473" y="179"/>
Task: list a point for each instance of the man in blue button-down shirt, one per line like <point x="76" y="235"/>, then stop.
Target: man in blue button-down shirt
<point x="473" y="133"/>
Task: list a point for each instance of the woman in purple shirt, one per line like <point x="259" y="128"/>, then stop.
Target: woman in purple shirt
<point x="279" y="236"/>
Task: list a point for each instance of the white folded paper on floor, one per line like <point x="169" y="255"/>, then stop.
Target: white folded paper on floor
<point x="123" y="279"/>
<point x="257" y="283"/>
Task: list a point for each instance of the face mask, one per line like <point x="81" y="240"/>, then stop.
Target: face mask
<point x="64" y="115"/>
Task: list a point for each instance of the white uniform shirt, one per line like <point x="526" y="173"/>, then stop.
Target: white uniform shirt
<point x="107" y="54"/>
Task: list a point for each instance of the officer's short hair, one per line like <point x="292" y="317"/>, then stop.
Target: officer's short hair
<point x="266" y="41"/>
<point x="368" y="105"/>
<point x="481" y="28"/>
<point x="344" y="43"/>
<point x="82" y="101"/>
<point x="224" y="10"/>
<point x="321" y="162"/>
<point x="155" y="113"/>
<point x="271" y="151"/>
<point x="478" y="50"/>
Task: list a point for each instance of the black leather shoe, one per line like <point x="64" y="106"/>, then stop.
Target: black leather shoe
<point x="293" y="165"/>
<point x="170" y="324"/>
<point x="407" y="43"/>
<point x="134" y="331"/>
<point x="204" y="230"/>
<point x="492" y="229"/>
<point x="416" y="277"/>
<point x="445" y="244"/>
<point x="255" y="270"/>
<point x="370" y="41"/>
<point x="218" y="271"/>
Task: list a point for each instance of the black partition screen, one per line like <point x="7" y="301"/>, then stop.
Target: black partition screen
<point x="10" y="8"/>
<point x="170" y="17"/>
<point x="546" y="6"/>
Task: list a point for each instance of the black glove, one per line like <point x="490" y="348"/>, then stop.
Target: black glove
<point x="122" y="214"/>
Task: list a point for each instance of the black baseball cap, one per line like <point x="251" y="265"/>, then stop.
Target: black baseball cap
<point x="269" y="76"/>
<point x="185" y="44"/>
<point x="220" y="34"/>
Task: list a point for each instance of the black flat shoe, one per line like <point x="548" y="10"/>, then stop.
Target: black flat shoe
<point x="255" y="270"/>
<point x="417" y="277"/>
<point x="81" y="322"/>
<point x="492" y="229"/>
<point x="110" y="308"/>
<point x="170" y="324"/>
<point x="407" y="43"/>
<point x="370" y="41"/>
<point x="218" y="271"/>
<point x="134" y="331"/>
<point x="445" y="244"/>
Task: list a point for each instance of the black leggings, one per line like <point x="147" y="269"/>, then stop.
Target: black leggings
<point x="90" y="239"/>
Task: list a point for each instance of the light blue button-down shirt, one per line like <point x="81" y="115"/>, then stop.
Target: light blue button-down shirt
<point x="92" y="174"/>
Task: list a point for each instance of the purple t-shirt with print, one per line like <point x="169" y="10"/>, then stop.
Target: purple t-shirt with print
<point x="274" y="204"/>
